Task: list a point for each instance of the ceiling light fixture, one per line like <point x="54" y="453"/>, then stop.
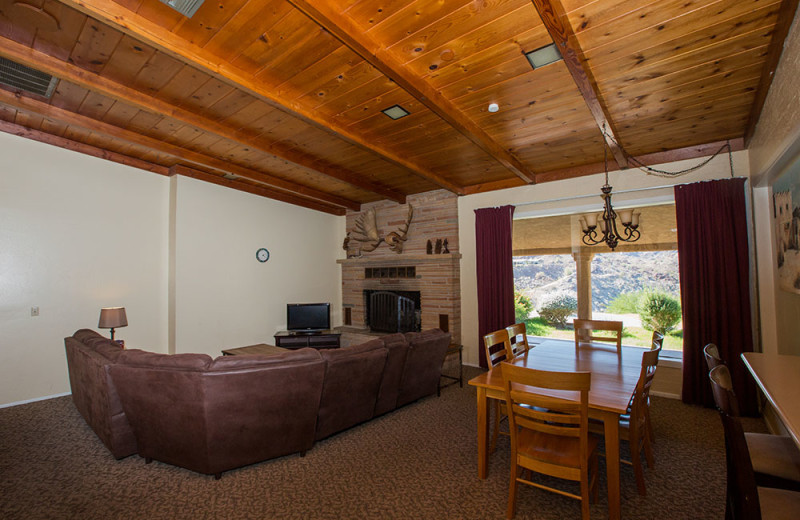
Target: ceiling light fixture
<point x="543" y="56"/>
<point x="493" y="107"/>
<point x="395" y="112"/>
<point x="608" y="218"/>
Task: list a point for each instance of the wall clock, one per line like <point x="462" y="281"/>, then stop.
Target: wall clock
<point x="262" y="255"/>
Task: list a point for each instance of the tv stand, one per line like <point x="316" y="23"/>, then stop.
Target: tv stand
<point x="299" y="339"/>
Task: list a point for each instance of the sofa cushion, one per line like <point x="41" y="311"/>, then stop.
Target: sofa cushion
<point x="332" y="354"/>
<point x="397" y="348"/>
<point x="141" y="358"/>
<point x="100" y="344"/>
<point x="255" y="361"/>
<point x="423" y="367"/>
<point x="89" y="357"/>
<point x="352" y="379"/>
<point x="110" y="352"/>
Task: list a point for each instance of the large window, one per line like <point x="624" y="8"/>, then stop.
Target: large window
<point x="557" y="278"/>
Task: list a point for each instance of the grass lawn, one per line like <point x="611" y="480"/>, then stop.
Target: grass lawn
<point x="631" y="336"/>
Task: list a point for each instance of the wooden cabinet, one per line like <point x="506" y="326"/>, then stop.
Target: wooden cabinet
<point x="295" y="340"/>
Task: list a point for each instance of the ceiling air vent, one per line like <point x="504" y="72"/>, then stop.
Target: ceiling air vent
<point x="185" y="7"/>
<point x="26" y="79"/>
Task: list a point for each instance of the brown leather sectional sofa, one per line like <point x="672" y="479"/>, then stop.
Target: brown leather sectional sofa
<point x="213" y="415"/>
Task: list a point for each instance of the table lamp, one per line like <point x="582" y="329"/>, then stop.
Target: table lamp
<point x="111" y="318"/>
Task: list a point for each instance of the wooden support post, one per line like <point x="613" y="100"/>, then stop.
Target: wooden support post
<point x="583" y="270"/>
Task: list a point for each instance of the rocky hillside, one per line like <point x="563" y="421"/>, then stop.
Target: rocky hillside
<point x="612" y="274"/>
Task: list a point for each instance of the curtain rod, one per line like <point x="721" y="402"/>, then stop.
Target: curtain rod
<point x="592" y="195"/>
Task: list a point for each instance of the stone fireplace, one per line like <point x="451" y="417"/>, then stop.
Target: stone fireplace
<point x="393" y="311"/>
<point x="432" y="280"/>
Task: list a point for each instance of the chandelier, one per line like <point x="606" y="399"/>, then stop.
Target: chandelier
<point x="608" y="218"/>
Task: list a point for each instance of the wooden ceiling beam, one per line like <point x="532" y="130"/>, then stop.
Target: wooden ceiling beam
<point x="375" y="53"/>
<point x="779" y="34"/>
<point x="166" y="41"/>
<point x="263" y="191"/>
<point x="38" y="60"/>
<point x="679" y="154"/>
<point x="65" y="116"/>
<point x="555" y="19"/>
<point x="86" y="149"/>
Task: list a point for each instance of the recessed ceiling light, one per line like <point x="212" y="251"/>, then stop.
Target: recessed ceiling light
<point x="396" y="112"/>
<point x="494" y="107"/>
<point x="543" y="56"/>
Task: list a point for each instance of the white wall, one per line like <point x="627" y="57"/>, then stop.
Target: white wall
<point x="77" y="233"/>
<point x="224" y="297"/>
<point x="774" y="147"/>
<point x="568" y="196"/>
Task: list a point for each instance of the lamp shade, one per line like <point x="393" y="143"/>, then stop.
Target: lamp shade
<point x="112" y="317"/>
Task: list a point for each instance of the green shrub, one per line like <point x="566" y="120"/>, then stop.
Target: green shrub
<point x="538" y="327"/>
<point x="659" y="311"/>
<point x="556" y="307"/>
<point x="523" y="306"/>
<point x="625" y="303"/>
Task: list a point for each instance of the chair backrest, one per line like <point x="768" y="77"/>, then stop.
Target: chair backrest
<point x="642" y="393"/>
<point x="566" y="416"/>
<point x="742" y="491"/>
<point x="584" y="332"/>
<point x="711" y="353"/>
<point x="657" y="341"/>
<point x="722" y="388"/>
<point x="498" y="347"/>
<point x="518" y="338"/>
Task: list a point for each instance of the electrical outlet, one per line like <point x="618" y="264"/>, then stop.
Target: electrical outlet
<point x="34" y="311"/>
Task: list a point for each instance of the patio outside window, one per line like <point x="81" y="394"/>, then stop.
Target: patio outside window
<point x="557" y="279"/>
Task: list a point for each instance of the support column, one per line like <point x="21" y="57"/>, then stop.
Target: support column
<point x="583" y="271"/>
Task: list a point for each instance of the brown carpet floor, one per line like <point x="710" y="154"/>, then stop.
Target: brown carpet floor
<point x="418" y="462"/>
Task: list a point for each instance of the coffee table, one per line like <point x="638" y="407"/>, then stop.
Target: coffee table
<point x="261" y="349"/>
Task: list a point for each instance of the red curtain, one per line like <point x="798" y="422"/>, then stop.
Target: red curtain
<point x="495" y="272"/>
<point x="715" y="286"/>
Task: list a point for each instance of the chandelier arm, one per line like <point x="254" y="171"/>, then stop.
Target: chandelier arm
<point x="631" y="234"/>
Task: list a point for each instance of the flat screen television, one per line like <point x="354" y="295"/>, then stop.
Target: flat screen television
<point x="308" y="317"/>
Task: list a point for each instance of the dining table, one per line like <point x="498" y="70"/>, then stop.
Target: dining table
<point x="614" y="378"/>
<point x="778" y="376"/>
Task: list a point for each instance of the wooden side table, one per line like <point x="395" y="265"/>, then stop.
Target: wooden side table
<point x="453" y="349"/>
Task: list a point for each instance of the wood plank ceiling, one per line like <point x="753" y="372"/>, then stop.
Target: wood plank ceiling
<point x="284" y="98"/>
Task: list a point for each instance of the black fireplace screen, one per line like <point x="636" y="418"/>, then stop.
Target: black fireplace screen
<point x="393" y="311"/>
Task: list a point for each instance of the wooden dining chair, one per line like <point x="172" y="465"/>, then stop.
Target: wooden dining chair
<point x="775" y="458"/>
<point x="711" y="353"/>
<point x="585" y="332"/>
<point x="657" y="340"/>
<point x="518" y="339"/>
<point x="744" y="498"/>
<point x="635" y="426"/>
<point x="550" y="435"/>
<point x="497" y="347"/>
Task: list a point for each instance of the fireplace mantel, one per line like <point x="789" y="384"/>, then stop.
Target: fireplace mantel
<point x="393" y="261"/>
